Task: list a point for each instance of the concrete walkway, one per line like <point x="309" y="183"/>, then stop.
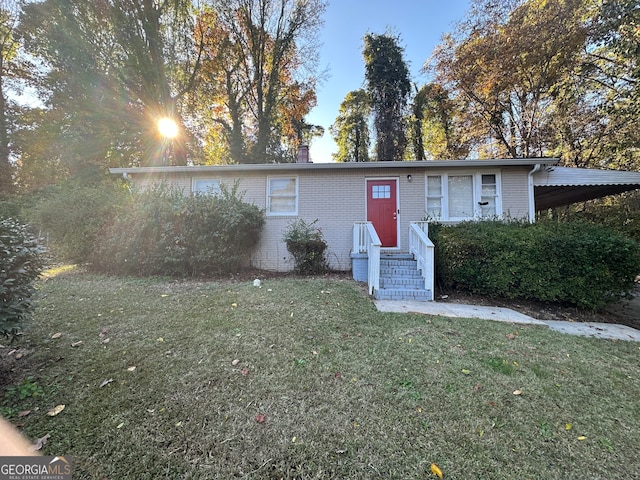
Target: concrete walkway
<point x="500" y="314"/>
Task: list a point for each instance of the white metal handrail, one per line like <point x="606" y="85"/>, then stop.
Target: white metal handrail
<point x="422" y="249"/>
<point x="366" y="240"/>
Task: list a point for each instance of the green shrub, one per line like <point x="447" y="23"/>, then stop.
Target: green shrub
<point x="164" y="232"/>
<point x="21" y="262"/>
<point x="72" y="214"/>
<point x="576" y="263"/>
<point x="618" y="212"/>
<point x="306" y="244"/>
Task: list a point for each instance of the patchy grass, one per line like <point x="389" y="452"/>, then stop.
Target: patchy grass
<point x="304" y="379"/>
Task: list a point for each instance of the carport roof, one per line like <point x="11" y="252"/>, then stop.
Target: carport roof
<point x="557" y="186"/>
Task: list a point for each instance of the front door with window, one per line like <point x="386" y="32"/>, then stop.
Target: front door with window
<point x="382" y="210"/>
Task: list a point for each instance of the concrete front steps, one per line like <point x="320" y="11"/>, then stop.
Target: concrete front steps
<point x="400" y="279"/>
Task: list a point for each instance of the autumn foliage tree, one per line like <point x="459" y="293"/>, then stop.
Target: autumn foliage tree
<point x="506" y="62"/>
<point x="258" y="75"/>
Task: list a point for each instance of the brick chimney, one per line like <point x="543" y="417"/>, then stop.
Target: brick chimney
<point x="303" y="154"/>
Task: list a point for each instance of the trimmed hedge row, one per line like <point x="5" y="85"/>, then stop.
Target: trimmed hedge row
<point x="164" y="232"/>
<point x="577" y="263"/>
<point x="21" y="261"/>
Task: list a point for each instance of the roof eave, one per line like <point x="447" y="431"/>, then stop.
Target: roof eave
<point x="338" y="166"/>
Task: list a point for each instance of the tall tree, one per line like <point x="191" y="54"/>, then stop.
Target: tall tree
<point x="351" y="128"/>
<point x="110" y="69"/>
<point x="9" y="69"/>
<point x="438" y="126"/>
<point x="388" y="84"/>
<point x="506" y="61"/>
<point x="261" y="66"/>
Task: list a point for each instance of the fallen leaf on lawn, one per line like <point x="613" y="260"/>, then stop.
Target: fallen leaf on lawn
<point x="41" y="442"/>
<point x="338" y="375"/>
<point x="245" y="372"/>
<point x="120" y="425"/>
<point x="106" y="340"/>
<point x="164" y="295"/>
<point x="179" y="424"/>
<point x="76" y="344"/>
<point x="435" y="469"/>
<point x="510" y="336"/>
<point x="568" y="426"/>
<point x="160" y="339"/>
<point x="582" y="437"/>
<point x="103" y="332"/>
<point x="260" y="418"/>
<point x="55" y="410"/>
<point x="314" y="353"/>
<point x="56" y="335"/>
<point x="19" y="355"/>
<point x="517" y="392"/>
<point x="465" y="371"/>
<point x="234" y="304"/>
<point x="131" y="368"/>
<point x="24" y="413"/>
<point x="235" y="362"/>
<point x="106" y="382"/>
<point x="293" y="440"/>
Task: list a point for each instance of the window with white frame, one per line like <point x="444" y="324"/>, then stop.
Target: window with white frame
<point x="208" y="186"/>
<point x="463" y="196"/>
<point x="282" y="196"/>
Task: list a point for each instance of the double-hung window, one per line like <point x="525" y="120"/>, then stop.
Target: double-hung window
<point x="208" y="186"/>
<point x="463" y="196"/>
<point x="282" y="196"/>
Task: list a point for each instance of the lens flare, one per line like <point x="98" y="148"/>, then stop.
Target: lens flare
<point x="167" y="127"/>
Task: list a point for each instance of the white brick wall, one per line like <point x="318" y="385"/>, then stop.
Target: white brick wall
<point x="337" y="199"/>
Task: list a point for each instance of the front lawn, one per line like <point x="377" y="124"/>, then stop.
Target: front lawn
<point x="304" y="379"/>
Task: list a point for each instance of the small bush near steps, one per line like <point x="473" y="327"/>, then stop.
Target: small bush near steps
<point x="306" y="244"/>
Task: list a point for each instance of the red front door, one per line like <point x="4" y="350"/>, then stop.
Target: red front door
<point x="382" y="210"/>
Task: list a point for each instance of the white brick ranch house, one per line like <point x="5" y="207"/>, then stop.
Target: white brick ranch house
<point x="373" y="210"/>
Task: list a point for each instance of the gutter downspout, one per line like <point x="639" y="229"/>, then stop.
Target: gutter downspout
<point x="532" y="200"/>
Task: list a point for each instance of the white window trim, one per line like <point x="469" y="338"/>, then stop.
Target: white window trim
<point x="196" y="179"/>
<point x="477" y="194"/>
<point x="282" y="214"/>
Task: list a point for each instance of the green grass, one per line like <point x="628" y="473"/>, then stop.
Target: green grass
<point x="344" y="391"/>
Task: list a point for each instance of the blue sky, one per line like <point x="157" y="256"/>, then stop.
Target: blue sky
<point x="420" y="24"/>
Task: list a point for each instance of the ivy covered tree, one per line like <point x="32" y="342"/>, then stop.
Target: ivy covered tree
<point x="351" y="128"/>
<point x="388" y="85"/>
